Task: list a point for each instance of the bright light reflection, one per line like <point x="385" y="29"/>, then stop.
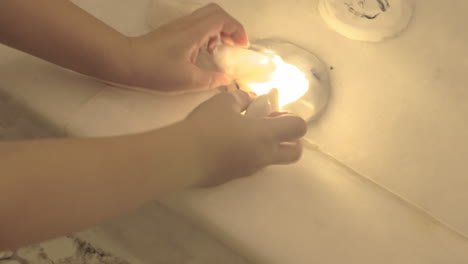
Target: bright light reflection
<point x="291" y="83"/>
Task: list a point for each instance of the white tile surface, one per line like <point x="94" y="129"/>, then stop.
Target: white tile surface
<point x="317" y="211"/>
<point x="51" y="93"/>
<point x="399" y="110"/>
<point x="128" y="17"/>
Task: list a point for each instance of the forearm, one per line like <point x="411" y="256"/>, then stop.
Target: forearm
<point x="54" y="187"/>
<point x="64" y="34"/>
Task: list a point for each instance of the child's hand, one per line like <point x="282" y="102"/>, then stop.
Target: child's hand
<point x="233" y="145"/>
<point x="165" y="58"/>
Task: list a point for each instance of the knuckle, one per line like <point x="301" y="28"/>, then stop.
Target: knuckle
<point x="218" y="17"/>
<point x="214" y="6"/>
<point x="217" y="11"/>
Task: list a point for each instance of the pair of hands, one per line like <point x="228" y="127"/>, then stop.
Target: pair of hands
<point x="232" y="145"/>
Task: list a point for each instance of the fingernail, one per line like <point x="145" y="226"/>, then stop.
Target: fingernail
<point x="212" y="47"/>
<point x="277" y="114"/>
<point x="228" y="41"/>
<point x="227" y="80"/>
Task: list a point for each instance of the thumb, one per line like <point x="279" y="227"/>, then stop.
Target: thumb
<point x="287" y="127"/>
<point x="236" y="101"/>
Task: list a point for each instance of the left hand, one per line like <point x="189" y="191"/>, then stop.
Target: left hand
<point x="165" y="58"/>
<point x="231" y="145"/>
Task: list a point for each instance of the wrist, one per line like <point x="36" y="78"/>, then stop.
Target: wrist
<point x="196" y="158"/>
<point x="125" y="72"/>
<point x="118" y="63"/>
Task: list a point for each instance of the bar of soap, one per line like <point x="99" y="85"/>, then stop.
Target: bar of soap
<point x="367" y="20"/>
<point x="245" y="65"/>
<point x="263" y="105"/>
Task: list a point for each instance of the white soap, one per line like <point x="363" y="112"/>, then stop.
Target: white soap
<point x="367" y="20"/>
<point x="162" y="12"/>
<point x="244" y="65"/>
<point x="263" y="105"/>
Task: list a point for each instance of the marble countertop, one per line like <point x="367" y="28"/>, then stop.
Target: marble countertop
<point x="388" y="182"/>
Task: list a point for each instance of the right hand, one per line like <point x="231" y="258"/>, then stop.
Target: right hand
<point x="165" y="59"/>
<point x="234" y="146"/>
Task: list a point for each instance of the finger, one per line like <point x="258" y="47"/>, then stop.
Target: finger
<point x="235" y="34"/>
<point x="276" y="114"/>
<point x="212" y="20"/>
<point x="233" y="40"/>
<point x="287" y="127"/>
<point x="203" y="79"/>
<point x="236" y="101"/>
<point x="194" y="56"/>
<point x="212" y="43"/>
<point x="288" y="152"/>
